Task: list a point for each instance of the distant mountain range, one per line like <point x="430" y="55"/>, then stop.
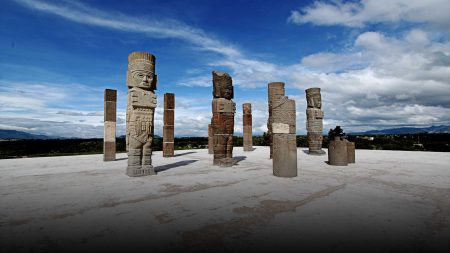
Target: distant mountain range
<point x="406" y="130"/>
<point x="13" y="134"/>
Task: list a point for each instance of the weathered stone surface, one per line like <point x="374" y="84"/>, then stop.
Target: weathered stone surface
<point x="141" y="104"/>
<point x="109" y="151"/>
<point x="247" y="127"/>
<point x="210" y="140"/>
<point x="350" y="152"/>
<point x="168" y="134"/>
<point x="110" y="95"/>
<point x="337" y="152"/>
<point x="223" y="109"/>
<point x="109" y="133"/>
<point x="110" y="111"/>
<point x="314" y="118"/>
<point x="275" y="90"/>
<point x="284" y="137"/>
<point x="169" y="128"/>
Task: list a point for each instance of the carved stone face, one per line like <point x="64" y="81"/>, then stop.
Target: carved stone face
<point x="141" y="77"/>
<point x="222" y="85"/>
<point x="317" y="101"/>
<point x="141" y="71"/>
<point x="314" y="98"/>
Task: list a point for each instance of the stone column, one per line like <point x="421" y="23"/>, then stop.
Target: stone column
<point x="109" y="134"/>
<point x="141" y="104"/>
<point x="284" y="138"/>
<point x="223" y="109"/>
<point x="350" y="152"/>
<point x="168" y="129"/>
<point x="247" y="122"/>
<point x="210" y="140"/>
<point x="275" y="90"/>
<point x="314" y="118"/>
<point x="337" y="152"/>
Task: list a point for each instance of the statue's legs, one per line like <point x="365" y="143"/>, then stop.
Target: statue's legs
<point x="136" y="152"/>
<point x="147" y="157"/>
<point x="219" y="148"/>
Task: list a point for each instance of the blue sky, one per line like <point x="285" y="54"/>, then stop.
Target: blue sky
<point x="379" y="64"/>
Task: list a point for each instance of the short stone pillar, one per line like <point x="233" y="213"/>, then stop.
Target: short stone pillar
<point x="247" y="126"/>
<point x="350" y="152"/>
<point x="210" y="140"/>
<point x="314" y="121"/>
<point x="109" y="134"/>
<point x="284" y="138"/>
<point x="141" y="83"/>
<point x="275" y="91"/>
<point x="223" y="109"/>
<point x="168" y="128"/>
<point x="337" y="152"/>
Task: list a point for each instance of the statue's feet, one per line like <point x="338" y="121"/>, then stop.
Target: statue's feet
<point x="138" y="171"/>
<point x="224" y="162"/>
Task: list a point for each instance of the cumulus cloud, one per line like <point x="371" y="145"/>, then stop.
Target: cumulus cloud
<point x="362" y="12"/>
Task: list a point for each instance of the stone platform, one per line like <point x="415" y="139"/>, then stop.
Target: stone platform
<point x="388" y="200"/>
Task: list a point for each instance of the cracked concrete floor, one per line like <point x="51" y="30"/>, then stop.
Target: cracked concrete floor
<point x="388" y="200"/>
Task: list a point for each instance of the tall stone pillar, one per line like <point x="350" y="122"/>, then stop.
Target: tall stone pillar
<point x="275" y="91"/>
<point x="168" y="129"/>
<point x="141" y="104"/>
<point x="314" y="118"/>
<point x="109" y="134"/>
<point x="284" y="137"/>
<point x="223" y="109"/>
<point x="210" y="140"/>
<point x="247" y="121"/>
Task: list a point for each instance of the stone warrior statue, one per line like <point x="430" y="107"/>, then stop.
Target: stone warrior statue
<point x="222" y="122"/>
<point x="141" y="82"/>
<point x="314" y="124"/>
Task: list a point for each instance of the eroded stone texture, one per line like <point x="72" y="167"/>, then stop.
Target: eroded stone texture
<point x="210" y="140"/>
<point x="109" y="134"/>
<point x="223" y="109"/>
<point x="284" y="137"/>
<point x="275" y="91"/>
<point x="350" y="152"/>
<point x="314" y="121"/>
<point x="141" y="104"/>
<point x="247" y="126"/>
<point x="337" y="152"/>
<point x="168" y="129"/>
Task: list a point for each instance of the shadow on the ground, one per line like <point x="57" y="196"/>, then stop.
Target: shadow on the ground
<point x="173" y="165"/>
<point x="185" y="153"/>
<point x="238" y="159"/>
<point x="120" y="159"/>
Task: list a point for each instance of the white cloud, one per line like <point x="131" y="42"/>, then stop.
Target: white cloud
<point x="362" y="12"/>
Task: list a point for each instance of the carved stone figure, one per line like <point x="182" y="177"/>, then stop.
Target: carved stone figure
<point x="168" y="129"/>
<point x="247" y="122"/>
<point x="222" y="122"/>
<point x="275" y="91"/>
<point x="314" y="121"/>
<point x="141" y="83"/>
<point x="284" y="137"/>
<point x="210" y="140"/>
<point x="109" y="135"/>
